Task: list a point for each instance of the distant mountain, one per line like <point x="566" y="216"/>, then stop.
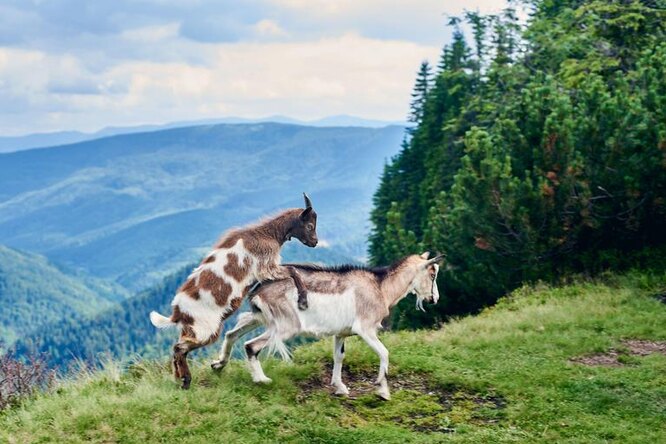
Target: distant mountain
<point x="136" y="207"/>
<point x="345" y="120"/>
<point x="17" y="143"/>
<point x="35" y="293"/>
<point x="40" y="140"/>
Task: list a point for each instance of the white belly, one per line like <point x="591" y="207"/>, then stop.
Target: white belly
<point x="328" y="314"/>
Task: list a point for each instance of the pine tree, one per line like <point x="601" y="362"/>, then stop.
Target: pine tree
<point x="420" y="93"/>
<point x="479" y="24"/>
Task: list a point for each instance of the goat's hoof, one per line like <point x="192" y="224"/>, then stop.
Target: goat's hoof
<point x="384" y="394"/>
<point x="341" y="390"/>
<point x="218" y="365"/>
<point x="383" y="391"/>
<point x="262" y="380"/>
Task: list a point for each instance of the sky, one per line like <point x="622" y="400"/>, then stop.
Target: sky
<point x="88" y="64"/>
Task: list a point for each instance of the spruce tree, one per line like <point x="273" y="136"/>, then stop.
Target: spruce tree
<point x="420" y="93"/>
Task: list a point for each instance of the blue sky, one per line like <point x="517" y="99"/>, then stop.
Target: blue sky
<point x="84" y="65"/>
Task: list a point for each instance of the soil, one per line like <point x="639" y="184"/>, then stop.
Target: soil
<point x="428" y="406"/>
<point x="634" y="347"/>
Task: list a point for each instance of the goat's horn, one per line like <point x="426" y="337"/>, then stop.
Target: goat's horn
<point x="436" y="259"/>
<point x="308" y="202"/>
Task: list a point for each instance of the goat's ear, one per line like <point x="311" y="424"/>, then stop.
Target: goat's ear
<point x="305" y="214"/>
<point x="308" y="202"/>
<point x="425" y="255"/>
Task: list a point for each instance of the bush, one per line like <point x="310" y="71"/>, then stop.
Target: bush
<point x="20" y="378"/>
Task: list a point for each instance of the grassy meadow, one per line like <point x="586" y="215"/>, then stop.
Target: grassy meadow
<point x="525" y="370"/>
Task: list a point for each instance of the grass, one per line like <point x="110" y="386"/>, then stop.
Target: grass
<point x="502" y="376"/>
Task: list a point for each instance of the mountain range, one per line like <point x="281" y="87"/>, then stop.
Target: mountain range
<point x="37" y="140"/>
<point x="133" y="208"/>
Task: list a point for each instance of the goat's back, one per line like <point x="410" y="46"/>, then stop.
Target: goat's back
<point x="336" y="302"/>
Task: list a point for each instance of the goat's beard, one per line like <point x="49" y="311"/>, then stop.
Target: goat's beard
<point x="419" y="303"/>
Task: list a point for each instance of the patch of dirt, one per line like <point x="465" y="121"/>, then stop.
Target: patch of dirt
<point x="608" y="359"/>
<point x="635" y="347"/>
<point x="643" y="348"/>
<point x="416" y="401"/>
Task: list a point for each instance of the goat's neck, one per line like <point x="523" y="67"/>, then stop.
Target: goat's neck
<point x="278" y="227"/>
<point x="397" y="285"/>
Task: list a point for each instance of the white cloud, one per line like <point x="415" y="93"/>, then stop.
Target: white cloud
<point x="151" y="34"/>
<point x="269" y="28"/>
<point x="301" y="58"/>
<point x="346" y="74"/>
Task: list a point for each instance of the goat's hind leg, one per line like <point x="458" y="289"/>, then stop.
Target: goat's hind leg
<point x="338" y="357"/>
<point x="181" y="369"/>
<point x="252" y="348"/>
<point x="246" y="323"/>
<point x="370" y="337"/>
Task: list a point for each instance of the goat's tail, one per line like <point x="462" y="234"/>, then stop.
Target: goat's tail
<point x="160" y="321"/>
<point x="279" y="325"/>
<point x="277" y="346"/>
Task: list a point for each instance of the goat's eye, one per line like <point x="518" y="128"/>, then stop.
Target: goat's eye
<point x="432" y="276"/>
<point x="309" y="227"/>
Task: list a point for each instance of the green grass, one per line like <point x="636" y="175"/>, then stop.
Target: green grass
<point x="501" y="376"/>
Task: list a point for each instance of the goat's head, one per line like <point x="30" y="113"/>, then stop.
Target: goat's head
<point x="305" y="227"/>
<point x="424" y="285"/>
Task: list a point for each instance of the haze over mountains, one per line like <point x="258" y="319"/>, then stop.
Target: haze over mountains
<point x="38" y="140"/>
<point x="133" y="208"/>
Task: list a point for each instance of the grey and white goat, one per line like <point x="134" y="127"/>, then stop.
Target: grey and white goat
<point x="343" y="301"/>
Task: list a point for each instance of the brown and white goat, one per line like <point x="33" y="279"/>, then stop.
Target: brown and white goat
<point x="215" y="289"/>
<point x="343" y="301"/>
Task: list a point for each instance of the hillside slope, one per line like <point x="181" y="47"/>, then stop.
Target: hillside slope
<point x="137" y="207"/>
<point x="35" y="292"/>
<point x="513" y="373"/>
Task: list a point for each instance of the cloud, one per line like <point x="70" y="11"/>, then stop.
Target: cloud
<point x="66" y="64"/>
<point x="269" y="28"/>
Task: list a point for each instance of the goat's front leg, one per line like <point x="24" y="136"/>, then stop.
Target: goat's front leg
<point x="289" y="272"/>
<point x="370" y="337"/>
<point x="338" y="357"/>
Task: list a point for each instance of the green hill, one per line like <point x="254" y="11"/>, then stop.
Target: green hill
<point x="136" y="207"/>
<point x="35" y="292"/>
<point x="546" y="364"/>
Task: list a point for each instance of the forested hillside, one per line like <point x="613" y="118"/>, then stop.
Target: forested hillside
<point x="118" y="331"/>
<point x="536" y="151"/>
<point x="136" y="207"/>
<point x="35" y="293"/>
